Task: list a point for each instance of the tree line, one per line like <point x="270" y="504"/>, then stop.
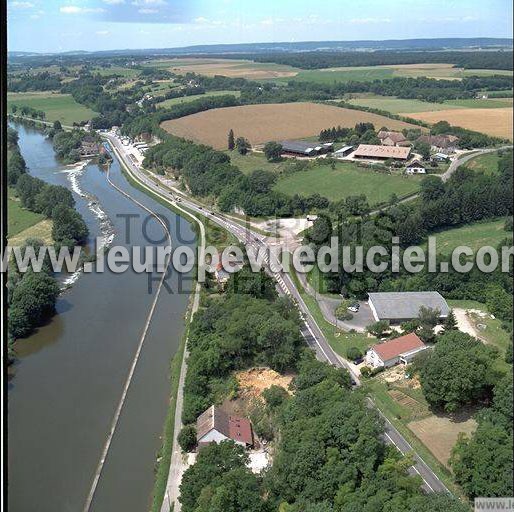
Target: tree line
<point x="320" y="60"/>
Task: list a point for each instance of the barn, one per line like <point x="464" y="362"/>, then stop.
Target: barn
<point x="376" y="152"/>
<point x="305" y="148"/>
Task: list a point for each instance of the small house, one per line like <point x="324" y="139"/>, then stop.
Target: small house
<point x="401" y="350"/>
<point x="415" y="167"/>
<point x="215" y="425"/>
<point x="391" y="138"/>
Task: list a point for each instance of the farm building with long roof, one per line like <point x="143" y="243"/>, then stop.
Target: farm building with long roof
<point x="376" y="152"/>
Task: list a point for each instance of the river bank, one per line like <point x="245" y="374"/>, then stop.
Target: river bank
<point x="71" y="371"/>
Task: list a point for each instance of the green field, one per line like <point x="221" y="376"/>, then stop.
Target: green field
<point x="478" y="103"/>
<point x="347" y="179"/>
<point x="18" y="218"/>
<point x="487" y="163"/>
<point x="474" y="235"/>
<point x="362" y="74"/>
<point x="251" y="161"/>
<point x="61" y="107"/>
<point x="399" y="105"/>
<point x="117" y="70"/>
<point x="185" y="99"/>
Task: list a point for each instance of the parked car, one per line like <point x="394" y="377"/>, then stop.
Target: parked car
<point x="359" y="360"/>
<point x="354" y="308"/>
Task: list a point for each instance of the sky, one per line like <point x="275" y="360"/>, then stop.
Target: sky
<point x="69" y="25"/>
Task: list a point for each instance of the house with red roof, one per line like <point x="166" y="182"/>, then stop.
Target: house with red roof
<point x="215" y="425"/>
<point x="400" y="350"/>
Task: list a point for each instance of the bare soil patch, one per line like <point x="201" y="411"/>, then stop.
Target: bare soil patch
<point x="262" y="123"/>
<point x="493" y="121"/>
<point x="254" y="381"/>
<point x="439" y="433"/>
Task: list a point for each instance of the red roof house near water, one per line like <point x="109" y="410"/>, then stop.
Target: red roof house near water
<point x="215" y="425"/>
<point x="399" y="350"/>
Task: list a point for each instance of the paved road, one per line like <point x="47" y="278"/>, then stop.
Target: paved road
<point x="310" y="329"/>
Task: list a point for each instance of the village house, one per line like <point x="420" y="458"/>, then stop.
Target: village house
<point x="90" y="147"/>
<point x="215" y="425"/>
<point x="440" y="143"/>
<point x="398" y="307"/>
<point x="415" y="167"/>
<point x="401" y="350"/>
<point x="391" y="138"/>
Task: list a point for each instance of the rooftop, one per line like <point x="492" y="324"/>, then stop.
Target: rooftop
<point x="237" y="429"/>
<point x="375" y="151"/>
<point x="395" y="348"/>
<point x="402" y="305"/>
<point x="300" y="146"/>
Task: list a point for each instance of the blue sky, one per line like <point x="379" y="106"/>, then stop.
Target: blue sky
<point x="63" y="25"/>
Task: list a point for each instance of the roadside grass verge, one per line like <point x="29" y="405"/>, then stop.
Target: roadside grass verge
<point x="339" y="340"/>
<point x="486" y="163"/>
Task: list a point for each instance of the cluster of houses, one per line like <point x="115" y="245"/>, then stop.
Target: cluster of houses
<point x="398" y="307"/>
<point x="394" y="146"/>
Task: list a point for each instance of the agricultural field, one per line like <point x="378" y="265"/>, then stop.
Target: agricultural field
<point x="61" y="107"/>
<point x="369" y="73"/>
<point x="492" y="121"/>
<point x="226" y="67"/>
<point x="186" y="99"/>
<point x="474" y="235"/>
<point x="262" y="123"/>
<point x="407" y="106"/>
<point x="123" y="71"/>
<point x="347" y="179"/>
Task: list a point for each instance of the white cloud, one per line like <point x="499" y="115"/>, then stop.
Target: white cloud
<point x="20" y="5"/>
<point x="147" y="11"/>
<point x="113" y="2"/>
<point x="102" y="32"/>
<point x="144" y="3"/>
<point x="74" y="9"/>
<point x="364" y="21"/>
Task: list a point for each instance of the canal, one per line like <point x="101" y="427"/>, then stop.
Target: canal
<point x="69" y="376"/>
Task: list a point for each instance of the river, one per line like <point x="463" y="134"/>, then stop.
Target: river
<point x="70" y="374"/>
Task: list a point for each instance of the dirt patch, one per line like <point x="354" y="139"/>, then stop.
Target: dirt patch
<point x="262" y="123"/>
<point x="254" y="381"/>
<point x="493" y="121"/>
<point x="397" y="375"/>
<point x="439" y="433"/>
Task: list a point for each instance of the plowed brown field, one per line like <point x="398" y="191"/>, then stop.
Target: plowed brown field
<point x="263" y="123"/>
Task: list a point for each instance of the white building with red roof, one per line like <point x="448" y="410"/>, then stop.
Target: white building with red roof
<point x="399" y="350"/>
<point x="215" y="425"/>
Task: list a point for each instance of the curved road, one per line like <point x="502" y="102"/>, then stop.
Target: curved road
<point x="310" y="329"/>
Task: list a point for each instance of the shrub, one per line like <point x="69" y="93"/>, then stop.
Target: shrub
<point x="187" y="438"/>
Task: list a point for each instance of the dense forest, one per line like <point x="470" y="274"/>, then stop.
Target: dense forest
<point x="319" y="59"/>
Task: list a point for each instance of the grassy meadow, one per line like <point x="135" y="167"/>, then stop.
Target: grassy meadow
<point x="61" y="107"/>
<point x="185" y="99"/>
<point x="347" y="179"/>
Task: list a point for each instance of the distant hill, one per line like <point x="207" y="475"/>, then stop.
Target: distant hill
<point x="475" y="43"/>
